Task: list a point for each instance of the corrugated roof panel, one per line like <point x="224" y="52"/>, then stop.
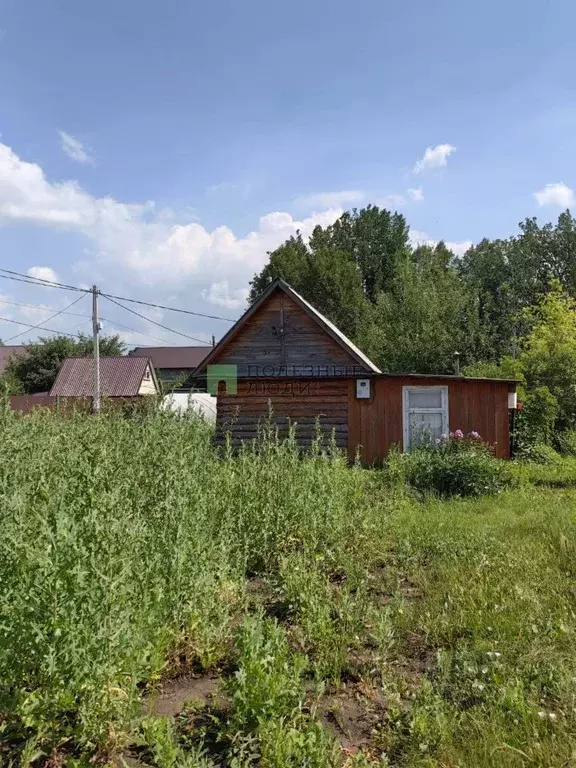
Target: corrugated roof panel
<point x="119" y="376"/>
<point x="172" y="357"/>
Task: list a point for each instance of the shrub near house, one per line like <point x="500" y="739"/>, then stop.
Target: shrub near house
<point x="453" y="465"/>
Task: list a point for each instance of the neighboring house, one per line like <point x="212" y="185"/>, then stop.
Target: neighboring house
<point x="10" y="351"/>
<point x="284" y="354"/>
<point x="120" y="377"/>
<point x="173" y="365"/>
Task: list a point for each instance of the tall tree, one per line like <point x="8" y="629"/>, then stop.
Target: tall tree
<point x="326" y="277"/>
<point x="425" y="316"/>
<point x="374" y="238"/>
<point x="343" y="267"/>
<point x="548" y="349"/>
<point x="506" y="276"/>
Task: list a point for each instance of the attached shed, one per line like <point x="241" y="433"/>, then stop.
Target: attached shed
<point x="285" y="357"/>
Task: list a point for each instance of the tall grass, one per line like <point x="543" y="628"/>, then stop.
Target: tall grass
<point x="131" y="550"/>
<point x="125" y="546"/>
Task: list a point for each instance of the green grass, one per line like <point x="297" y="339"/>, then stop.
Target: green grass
<point x="133" y="552"/>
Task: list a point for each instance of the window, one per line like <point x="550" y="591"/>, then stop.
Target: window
<point x="147" y="374"/>
<point x="425" y="414"/>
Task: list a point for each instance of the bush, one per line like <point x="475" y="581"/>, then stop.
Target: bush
<point x="536" y="421"/>
<point x="540" y="453"/>
<point x="566" y="442"/>
<point x="452" y="466"/>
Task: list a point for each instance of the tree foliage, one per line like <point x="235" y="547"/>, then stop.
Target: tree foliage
<point x="548" y="350"/>
<point x="36" y="371"/>
<point x="507" y="306"/>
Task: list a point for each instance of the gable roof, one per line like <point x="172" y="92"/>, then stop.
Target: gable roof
<point x="119" y="376"/>
<point x="172" y="357"/>
<point x="322" y="321"/>
<point x="8" y="351"/>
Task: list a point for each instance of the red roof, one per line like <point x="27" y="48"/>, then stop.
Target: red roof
<point x="10" y="350"/>
<point x="119" y="376"/>
<point x="172" y="357"/>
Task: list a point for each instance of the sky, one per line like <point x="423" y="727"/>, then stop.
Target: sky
<point x="160" y="150"/>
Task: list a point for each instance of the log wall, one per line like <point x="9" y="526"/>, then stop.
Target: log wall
<point x="303" y="402"/>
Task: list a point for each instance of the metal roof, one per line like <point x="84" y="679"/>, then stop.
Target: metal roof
<point x="172" y="357"/>
<point x="119" y="376"/>
<point x="11" y="350"/>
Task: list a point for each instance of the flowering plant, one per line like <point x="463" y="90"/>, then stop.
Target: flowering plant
<point x="454" y="464"/>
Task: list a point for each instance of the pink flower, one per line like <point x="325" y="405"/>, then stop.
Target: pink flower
<point x="474" y="435"/>
<point x="458" y="434"/>
<point x="451" y="434"/>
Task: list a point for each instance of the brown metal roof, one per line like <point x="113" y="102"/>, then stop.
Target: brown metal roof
<point x="172" y="357"/>
<point x="11" y="350"/>
<point x="119" y="376"/>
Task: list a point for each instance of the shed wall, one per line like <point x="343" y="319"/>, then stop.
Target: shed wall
<point x="303" y="401"/>
<point x="376" y="424"/>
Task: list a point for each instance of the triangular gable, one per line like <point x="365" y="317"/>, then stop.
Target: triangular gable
<point x="277" y="331"/>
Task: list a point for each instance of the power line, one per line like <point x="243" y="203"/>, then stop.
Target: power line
<point x="169" y="309"/>
<point x="149" y="320"/>
<point x="51" y="330"/>
<point x="77" y="314"/>
<point x="20" y="277"/>
<point x="48" y="319"/>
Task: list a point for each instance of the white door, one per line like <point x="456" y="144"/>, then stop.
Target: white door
<point x="425" y="414"/>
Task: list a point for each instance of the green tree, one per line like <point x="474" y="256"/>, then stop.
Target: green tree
<point x="507" y="276"/>
<point x="376" y="240"/>
<point x="548" y="350"/>
<point x="36" y="371"/>
<point x="343" y="267"/>
<point x="325" y="277"/>
<point x="425" y="316"/>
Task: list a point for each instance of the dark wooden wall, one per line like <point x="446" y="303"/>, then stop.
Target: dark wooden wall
<point x="377" y="424"/>
<point x="303" y="401"/>
<point x="260" y="349"/>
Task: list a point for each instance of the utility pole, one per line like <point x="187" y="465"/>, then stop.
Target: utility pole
<point x="213" y="340"/>
<point x="96" y="369"/>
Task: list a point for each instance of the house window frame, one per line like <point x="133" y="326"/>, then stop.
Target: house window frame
<point x="406" y="410"/>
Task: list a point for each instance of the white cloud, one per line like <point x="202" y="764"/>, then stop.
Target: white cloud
<point x="43" y="273"/>
<point x="147" y="246"/>
<point x="434" y="157"/>
<point x="459" y="247"/>
<point x="555" y="194"/>
<point x="332" y="199"/>
<point x="74" y="148"/>
<point x="391" y="201"/>
<point x="416" y="194"/>
<point x="219" y="293"/>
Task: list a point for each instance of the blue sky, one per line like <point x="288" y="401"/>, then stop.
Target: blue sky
<point x="160" y="149"/>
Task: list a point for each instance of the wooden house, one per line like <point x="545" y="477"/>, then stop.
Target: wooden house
<point x="285" y="357"/>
